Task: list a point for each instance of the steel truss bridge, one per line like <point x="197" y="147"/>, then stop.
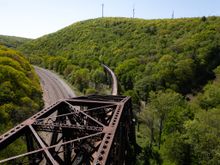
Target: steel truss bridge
<point x="80" y="131"/>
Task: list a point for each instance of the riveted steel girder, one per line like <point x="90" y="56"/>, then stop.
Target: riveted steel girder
<point x="91" y="129"/>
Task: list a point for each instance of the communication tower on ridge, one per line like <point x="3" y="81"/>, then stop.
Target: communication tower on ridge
<point x="133" y="11"/>
<point x="102" y="10"/>
<point x="173" y="14"/>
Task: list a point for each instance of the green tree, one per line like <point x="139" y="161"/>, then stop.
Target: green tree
<point x="161" y="104"/>
<point x="81" y="79"/>
<point x="203" y="136"/>
<point x="126" y="72"/>
<point x="211" y="96"/>
<point x="18" y="82"/>
<point x="98" y="77"/>
<point x="198" y="144"/>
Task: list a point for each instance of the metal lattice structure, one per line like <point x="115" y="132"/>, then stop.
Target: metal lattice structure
<point x="83" y="130"/>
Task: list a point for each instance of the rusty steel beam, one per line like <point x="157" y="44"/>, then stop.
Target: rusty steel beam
<point x="85" y="130"/>
<point x="52" y="127"/>
<point x="43" y="146"/>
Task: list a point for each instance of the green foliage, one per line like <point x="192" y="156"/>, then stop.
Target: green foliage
<point x="164" y="114"/>
<point x="211" y="96"/>
<point x="98" y="77"/>
<point x="12" y="41"/>
<point x="199" y="144"/>
<point x="20" y="92"/>
<point x="176" y="150"/>
<point x="158" y="63"/>
<point x="16" y="148"/>
<point x="81" y="79"/>
<point x="148" y="157"/>
<point x="205" y="148"/>
<point x="90" y="91"/>
<point x="146" y="54"/>
<point x="126" y="72"/>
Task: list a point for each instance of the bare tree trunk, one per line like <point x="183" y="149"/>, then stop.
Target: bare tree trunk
<point x="152" y="136"/>
<point x="160" y="131"/>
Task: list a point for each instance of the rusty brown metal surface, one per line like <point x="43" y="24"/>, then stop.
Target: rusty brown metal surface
<point x="83" y="130"/>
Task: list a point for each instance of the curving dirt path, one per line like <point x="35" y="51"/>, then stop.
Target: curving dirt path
<point x="54" y="88"/>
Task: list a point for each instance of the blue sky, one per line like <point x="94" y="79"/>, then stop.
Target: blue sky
<point x="34" y="18"/>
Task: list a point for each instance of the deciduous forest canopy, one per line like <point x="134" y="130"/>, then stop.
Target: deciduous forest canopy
<point x="20" y="92"/>
<point x="12" y="41"/>
<point x="170" y="67"/>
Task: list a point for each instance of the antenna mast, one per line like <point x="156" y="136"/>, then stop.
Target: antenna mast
<point x="173" y="14"/>
<point x="133" y="11"/>
<point x="102" y="10"/>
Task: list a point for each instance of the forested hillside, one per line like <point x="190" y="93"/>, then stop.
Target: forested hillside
<point x="12" y="41"/>
<point x="169" y="67"/>
<point x="20" y="92"/>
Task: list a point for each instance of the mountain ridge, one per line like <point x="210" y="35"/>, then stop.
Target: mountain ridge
<point x="12" y="41"/>
<point x="158" y="63"/>
<point x="192" y="41"/>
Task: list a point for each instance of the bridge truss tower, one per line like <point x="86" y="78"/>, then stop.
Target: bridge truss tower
<point x="83" y="130"/>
